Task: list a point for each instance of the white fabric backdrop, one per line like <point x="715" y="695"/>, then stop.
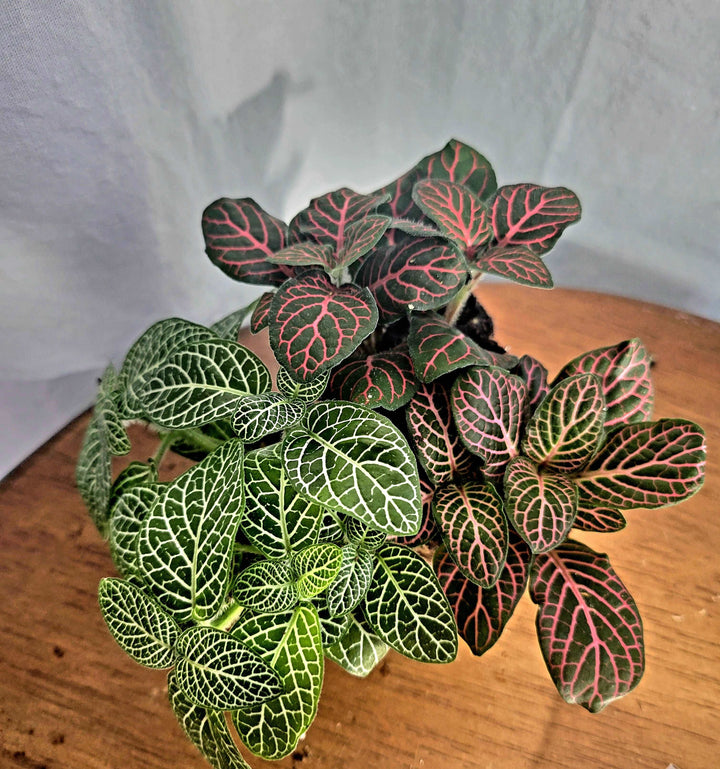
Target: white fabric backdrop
<point x="120" y="120"/>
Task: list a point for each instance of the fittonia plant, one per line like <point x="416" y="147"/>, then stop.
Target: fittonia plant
<point x="399" y="435"/>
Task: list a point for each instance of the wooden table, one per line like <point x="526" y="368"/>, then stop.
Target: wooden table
<point x="69" y="697"/>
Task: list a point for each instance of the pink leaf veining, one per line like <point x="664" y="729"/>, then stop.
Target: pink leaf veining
<point x="541" y="506"/>
<point x="482" y="613"/>
<point x="516" y="263"/>
<point x="588" y="625"/>
<point x="532" y="216"/>
<point x="648" y="464"/>
<point x="474" y="529"/>
<point x="259" y="317"/>
<point x="487" y="404"/>
<point x="314" y="324"/>
<point x="239" y="238"/>
<point x="600" y="519"/>
<point x="535" y="376"/>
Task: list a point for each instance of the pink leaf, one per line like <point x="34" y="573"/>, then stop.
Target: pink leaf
<point x="601" y="519"/>
<point x="535" y="376"/>
<point x="259" y="318"/>
<point x="516" y="263"/>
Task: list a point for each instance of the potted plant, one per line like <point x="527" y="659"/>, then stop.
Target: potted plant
<point x="402" y="483"/>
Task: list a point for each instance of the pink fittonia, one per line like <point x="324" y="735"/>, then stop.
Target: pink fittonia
<point x="259" y="317"/>
<point x="588" y="625"/>
<point x="516" y="263"/>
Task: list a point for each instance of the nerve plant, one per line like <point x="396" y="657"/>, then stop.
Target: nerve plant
<point x="399" y="435"/>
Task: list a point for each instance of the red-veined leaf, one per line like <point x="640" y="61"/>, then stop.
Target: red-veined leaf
<point x="422" y="274"/>
<point x="326" y="218"/>
<point x="601" y="519"/>
<point x="487" y="406"/>
<point x="588" y="625"/>
<point x="438" y="348"/>
<point x="532" y="216"/>
<point x="474" y="529"/>
<point x="259" y="318"/>
<point x="314" y="324"/>
<point x="384" y="379"/>
<point x="239" y="238"/>
<point x="429" y="532"/>
<point x="516" y="263"/>
<point x="361" y="237"/>
<point x="433" y="432"/>
<point x="306" y="253"/>
<point x="648" y="464"/>
<point x="541" y="506"/>
<point x="415" y="228"/>
<point x="567" y="426"/>
<point x="625" y="373"/>
<point x="461" y="216"/>
<point x="535" y="376"/>
<point x="482" y="613"/>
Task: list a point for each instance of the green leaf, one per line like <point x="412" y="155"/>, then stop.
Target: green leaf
<point x="291" y="644"/>
<point x="134" y="475"/>
<point x="277" y="520"/>
<point x="104" y="437"/>
<point x="306" y="391"/>
<point x="316" y="567"/>
<point x="260" y="415"/>
<point x="203" y="382"/>
<point x="358" y="651"/>
<point x="348" y="458"/>
<point x="149" y="351"/>
<point x="228" y="327"/>
<point x="126" y="520"/>
<point x="206" y="729"/>
<point x="407" y="609"/>
<point x="266" y="586"/>
<point x="185" y="544"/>
<point x="351" y="582"/>
<point x="567" y="427"/>
<point x="197" y="442"/>
<point x="332" y="629"/>
<point x="216" y="671"/>
<point x="363" y="536"/>
<point x="138" y="623"/>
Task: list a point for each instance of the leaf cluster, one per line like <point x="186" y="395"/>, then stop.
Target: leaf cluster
<point x="399" y="432"/>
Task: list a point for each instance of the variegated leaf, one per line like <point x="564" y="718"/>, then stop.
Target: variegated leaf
<point x="185" y="544"/>
<point x="292" y="644"/>
<point x="266" y="586"/>
<point x="429" y="532"/>
<point x="306" y="391"/>
<point x="332" y="629"/>
<point x="532" y="216"/>
<point x="474" y="529"/>
<point x="203" y="382"/>
<point x="364" y="537"/>
<point x="407" y="609"/>
<point x="138" y="623"/>
<point x="304" y="254"/>
<point x="437" y="443"/>
<point x="418" y="229"/>
<point x="332" y="528"/>
<point x="516" y="263"/>
<point x="261" y="313"/>
<point x="359" y="651"/>
<point x="647" y="464"/>
<point x="315" y="567"/>
<point x="487" y="404"/>
<point x="217" y="671"/>
<point x="482" y="613"/>
<point x="461" y="216"/>
<point x="438" y="348"/>
<point x="383" y="380"/>
<point x="601" y="519"/>
<point x="228" y="327"/>
<point x="134" y="475"/>
<point x="277" y="520"/>
<point x="535" y="376"/>
<point x="104" y="437"/>
<point x="624" y="370"/>
<point x="567" y="427"/>
<point x="160" y="341"/>
<point x="239" y="238"/>
<point x="588" y="625"/>
<point x="126" y="519"/>
<point x="360" y="238"/>
<point x="197" y="442"/>
<point x="422" y="274"/>
<point x="540" y="505"/>
<point x="206" y="729"/>
<point x="314" y="325"/>
<point x="351" y="582"/>
<point x="350" y="459"/>
<point x="260" y="415"/>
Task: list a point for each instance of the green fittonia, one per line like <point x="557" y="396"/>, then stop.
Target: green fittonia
<point x="396" y="422"/>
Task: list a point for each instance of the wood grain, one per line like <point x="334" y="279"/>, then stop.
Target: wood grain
<point x="70" y="699"/>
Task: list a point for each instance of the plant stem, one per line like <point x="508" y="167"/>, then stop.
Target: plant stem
<point x="165" y="443"/>
<point x="240" y="549"/>
<point x="227" y="617"/>
<point x="458" y="302"/>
